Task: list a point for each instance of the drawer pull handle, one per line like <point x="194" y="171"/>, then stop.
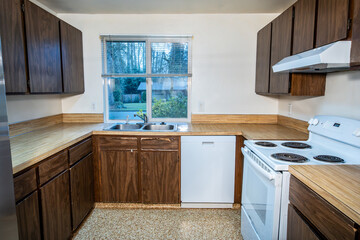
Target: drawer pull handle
<point x="208" y="143"/>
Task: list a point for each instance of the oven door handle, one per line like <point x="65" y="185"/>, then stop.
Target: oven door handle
<point x="262" y="171"/>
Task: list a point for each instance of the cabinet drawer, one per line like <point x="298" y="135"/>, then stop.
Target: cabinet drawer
<point x="160" y="143"/>
<point x="53" y="166"/>
<point x="326" y="218"/>
<point x="80" y="150"/>
<point x="113" y="143"/>
<point x="25" y="184"/>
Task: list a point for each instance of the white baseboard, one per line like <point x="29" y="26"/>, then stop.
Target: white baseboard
<point x="206" y="205"/>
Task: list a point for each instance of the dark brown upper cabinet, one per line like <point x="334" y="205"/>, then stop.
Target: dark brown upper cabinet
<point x="263" y="54"/>
<point x="280" y="48"/>
<point x="41" y="54"/>
<point x="287" y="33"/>
<point x="43" y="45"/>
<point x="332" y="21"/>
<point x="304" y="25"/>
<point x="72" y="58"/>
<point x="13" y="46"/>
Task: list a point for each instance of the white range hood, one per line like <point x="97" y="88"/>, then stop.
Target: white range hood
<point x="329" y="58"/>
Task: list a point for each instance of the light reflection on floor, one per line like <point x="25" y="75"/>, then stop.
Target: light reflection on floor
<point x="161" y="224"/>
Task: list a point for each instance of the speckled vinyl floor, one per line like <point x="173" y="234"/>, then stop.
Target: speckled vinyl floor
<point x="161" y="224"/>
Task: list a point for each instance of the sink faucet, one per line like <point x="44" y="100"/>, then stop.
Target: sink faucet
<point x="143" y="116"/>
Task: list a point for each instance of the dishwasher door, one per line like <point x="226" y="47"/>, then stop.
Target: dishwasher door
<point x="207" y="169"/>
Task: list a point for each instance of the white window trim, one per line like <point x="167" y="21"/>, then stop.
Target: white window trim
<point x="148" y="39"/>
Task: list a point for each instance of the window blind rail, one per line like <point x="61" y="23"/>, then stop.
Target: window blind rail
<point x="144" y="75"/>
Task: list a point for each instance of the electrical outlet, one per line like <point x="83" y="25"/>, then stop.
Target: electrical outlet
<point x="201" y="106"/>
<point x="93" y="106"/>
<point x="290" y="109"/>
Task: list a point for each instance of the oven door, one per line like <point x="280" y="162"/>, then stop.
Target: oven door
<point x="261" y="197"/>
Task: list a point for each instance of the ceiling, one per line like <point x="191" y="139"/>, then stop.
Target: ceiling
<point x="166" y="6"/>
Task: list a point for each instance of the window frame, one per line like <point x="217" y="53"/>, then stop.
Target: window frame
<point x="148" y="75"/>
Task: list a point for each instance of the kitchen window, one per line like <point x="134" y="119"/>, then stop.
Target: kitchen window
<point x="148" y="74"/>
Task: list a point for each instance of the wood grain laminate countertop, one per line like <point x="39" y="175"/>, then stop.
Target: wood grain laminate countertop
<point x="30" y="148"/>
<point x="337" y="184"/>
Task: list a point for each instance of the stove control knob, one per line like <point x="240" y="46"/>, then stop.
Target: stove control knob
<point x="356" y="133"/>
<point x="315" y="121"/>
<point x="311" y="121"/>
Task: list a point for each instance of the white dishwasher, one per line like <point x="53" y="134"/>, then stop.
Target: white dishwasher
<point x="207" y="171"/>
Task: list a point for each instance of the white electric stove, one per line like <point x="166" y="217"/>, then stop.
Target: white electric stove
<point x="265" y="196"/>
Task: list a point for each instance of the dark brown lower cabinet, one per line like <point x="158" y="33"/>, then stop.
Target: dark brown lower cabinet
<point x="299" y="229"/>
<point x="28" y="217"/>
<point x="325" y="219"/>
<point x="82" y="189"/>
<point x="160" y="178"/>
<point x="119" y="176"/>
<point x="55" y="206"/>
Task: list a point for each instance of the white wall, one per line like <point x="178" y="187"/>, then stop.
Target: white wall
<point x="342" y="97"/>
<point x="27" y="107"/>
<point x="224" y="49"/>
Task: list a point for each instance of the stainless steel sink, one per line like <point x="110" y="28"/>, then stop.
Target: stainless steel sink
<point x="126" y="126"/>
<point x="142" y="127"/>
<point x="153" y="127"/>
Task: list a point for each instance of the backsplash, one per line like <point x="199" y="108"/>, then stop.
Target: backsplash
<point x="341" y="98"/>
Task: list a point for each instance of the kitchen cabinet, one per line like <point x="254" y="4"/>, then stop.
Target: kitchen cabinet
<point x="160" y="176"/>
<point x="299" y="229"/>
<point x="72" y="58"/>
<point x="55" y="208"/>
<point x="304" y="25"/>
<point x="118" y="164"/>
<point x="43" y="47"/>
<point x="28" y="217"/>
<point x="316" y="215"/>
<point x="137" y="169"/>
<point x="54" y="198"/>
<point x="82" y="189"/>
<point x="280" y="48"/>
<point x="41" y="54"/>
<point x="13" y="46"/>
<point x="119" y="176"/>
<point x="332" y="21"/>
<point x="263" y="55"/>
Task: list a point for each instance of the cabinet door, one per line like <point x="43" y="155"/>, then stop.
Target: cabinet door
<point x="13" y="46"/>
<point x="281" y="48"/>
<point x="72" y="58"/>
<point x="55" y="205"/>
<point x="160" y="178"/>
<point x="119" y="176"/>
<point x="304" y="26"/>
<point x="297" y="228"/>
<point x="28" y="217"/>
<point x="332" y="21"/>
<point x="43" y="47"/>
<point x="263" y="54"/>
<point x="82" y="189"/>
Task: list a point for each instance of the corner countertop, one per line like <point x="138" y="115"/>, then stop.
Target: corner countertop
<point x="30" y="148"/>
<point x="337" y="184"/>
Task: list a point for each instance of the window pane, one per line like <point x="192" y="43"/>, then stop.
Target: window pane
<point x="169" y="97"/>
<point x="126" y="96"/>
<point x="169" y="58"/>
<point x="125" y="57"/>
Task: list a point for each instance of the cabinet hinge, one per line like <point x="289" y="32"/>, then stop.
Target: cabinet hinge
<point x="349" y="23"/>
<point x="23" y="7"/>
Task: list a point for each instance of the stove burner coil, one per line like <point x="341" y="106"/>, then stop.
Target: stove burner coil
<point x="297" y="145"/>
<point x="329" y="158"/>
<point x="266" y="144"/>
<point x="290" y="157"/>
